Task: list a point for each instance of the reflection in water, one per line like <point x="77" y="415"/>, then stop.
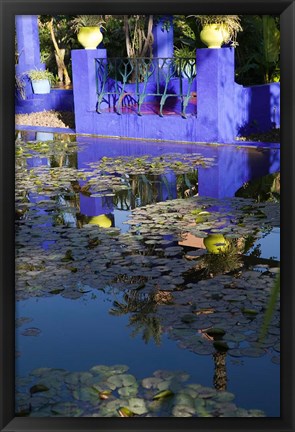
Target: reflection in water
<point x="62" y="191"/>
<point x="141" y="311"/>
<point x="220" y="375"/>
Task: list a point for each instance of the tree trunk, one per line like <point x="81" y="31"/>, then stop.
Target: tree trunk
<point x="59" y="55"/>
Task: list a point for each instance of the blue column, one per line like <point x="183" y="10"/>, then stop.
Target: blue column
<point x="28" y="49"/>
<point x="84" y="85"/>
<point x="28" y="44"/>
<point x="163" y="37"/>
<point x="216" y="92"/>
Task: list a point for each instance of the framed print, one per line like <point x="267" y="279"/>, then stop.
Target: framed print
<point x="141" y="240"/>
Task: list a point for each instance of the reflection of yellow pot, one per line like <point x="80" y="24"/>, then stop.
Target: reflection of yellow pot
<point x="89" y="37"/>
<point x="216" y="243"/>
<point x="102" y="221"/>
<point x="214" y="35"/>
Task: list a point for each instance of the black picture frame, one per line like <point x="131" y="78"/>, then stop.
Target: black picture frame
<point x="10" y="8"/>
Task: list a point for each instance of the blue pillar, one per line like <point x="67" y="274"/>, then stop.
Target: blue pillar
<point x="28" y="44"/>
<point x="163" y="45"/>
<point x="84" y="86"/>
<point x="28" y="49"/>
<point x="216" y="92"/>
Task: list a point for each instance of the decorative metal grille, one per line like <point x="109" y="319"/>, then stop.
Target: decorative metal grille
<point x="133" y="81"/>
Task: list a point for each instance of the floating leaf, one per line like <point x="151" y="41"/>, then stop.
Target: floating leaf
<point x="33" y="331"/>
<point x="56" y="291"/>
<point x="125" y="412"/>
<point x="163" y="394"/>
<point x="220" y="345"/>
<point x="249" y="311"/>
<point x="188" y="318"/>
<point x="38" y="388"/>
<point x="105" y="394"/>
<point x="215" y="331"/>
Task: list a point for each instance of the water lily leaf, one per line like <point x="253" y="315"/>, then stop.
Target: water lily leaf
<point x="163" y="394"/>
<point x="188" y="318"/>
<point x="253" y="352"/>
<point x="220" y="345"/>
<point x="249" y="311"/>
<point x="66" y="409"/>
<point x="38" y="388"/>
<point x="150" y="382"/>
<point x="137" y="406"/>
<point x="183" y="411"/>
<point x="184" y="399"/>
<point x="215" y="331"/>
<point x="224" y="396"/>
<point x="105" y="394"/>
<point x="128" y="391"/>
<point x="56" y="291"/>
<point x="125" y="412"/>
<point x="22" y="320"/>
<point x="32" y="331"/>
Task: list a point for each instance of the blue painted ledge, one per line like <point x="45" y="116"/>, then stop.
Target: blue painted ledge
<point x="257" y="144"/>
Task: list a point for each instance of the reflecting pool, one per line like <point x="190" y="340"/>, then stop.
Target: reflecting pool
<point x="144" y="272"/>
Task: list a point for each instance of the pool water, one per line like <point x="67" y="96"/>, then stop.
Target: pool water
<point x="103" y="278"/>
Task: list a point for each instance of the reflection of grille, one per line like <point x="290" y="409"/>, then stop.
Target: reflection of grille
<point x="124" y="84"/>
<point x="220" y="377"/>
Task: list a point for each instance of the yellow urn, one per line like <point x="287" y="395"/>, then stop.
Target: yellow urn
<point x="214" y="35"/>
<point x="216" y="243"/>
<point x="90" y="37"/>
<point x="102" y="221"/>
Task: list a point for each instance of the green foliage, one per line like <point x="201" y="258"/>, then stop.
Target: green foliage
<point x="230" y="22"/>
<point x="257" y="53"/>
<point x="257" y="56"/>
<point x="87" y="21"/>
<point x="114" y="37"/>
<point x="38" y="75"/>
<point x="65" y="37"/>
<point x="266" y="188"/>
<point x="186" y="32"/>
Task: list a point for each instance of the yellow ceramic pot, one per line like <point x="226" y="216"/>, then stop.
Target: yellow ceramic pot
<point x="214" y="35"/>
<point x="89" y="37"/>
<point x="102" y="221"/>
<point x="216" y="243"/>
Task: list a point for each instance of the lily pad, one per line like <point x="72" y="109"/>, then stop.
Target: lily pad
<point x="38" y="388"/>
<point x="163" y="394"/>
<point x="32" y="331"/>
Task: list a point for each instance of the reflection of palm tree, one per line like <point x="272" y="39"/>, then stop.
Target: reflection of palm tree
<point x="149" y="326"/>
<point x="224" y="261"/>
<point x="187" y="184"/>
<point x="142" y="188"/>
<point x="220" y="375"/>
<point x="142" y="308"/>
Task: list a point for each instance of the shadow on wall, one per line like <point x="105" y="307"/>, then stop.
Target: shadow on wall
<point x="257" y="108"/>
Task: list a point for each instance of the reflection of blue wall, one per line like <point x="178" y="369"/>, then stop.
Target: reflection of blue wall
<point x="232" y="167"/>
<point x="91" y="206"/>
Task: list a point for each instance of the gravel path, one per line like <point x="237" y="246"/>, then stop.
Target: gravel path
<point x="55" y="119"/>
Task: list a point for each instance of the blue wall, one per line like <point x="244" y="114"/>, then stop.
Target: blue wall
<point x="224" y="109"/>
<point x="257" y="108"/>
<point x="57" y="99"/>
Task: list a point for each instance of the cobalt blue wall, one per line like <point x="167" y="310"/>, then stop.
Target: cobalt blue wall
<point x="215" y="109"/>
<point x="57" y="99"/>
<point x="224" y="108"/>
<point x="257" y="108"/>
